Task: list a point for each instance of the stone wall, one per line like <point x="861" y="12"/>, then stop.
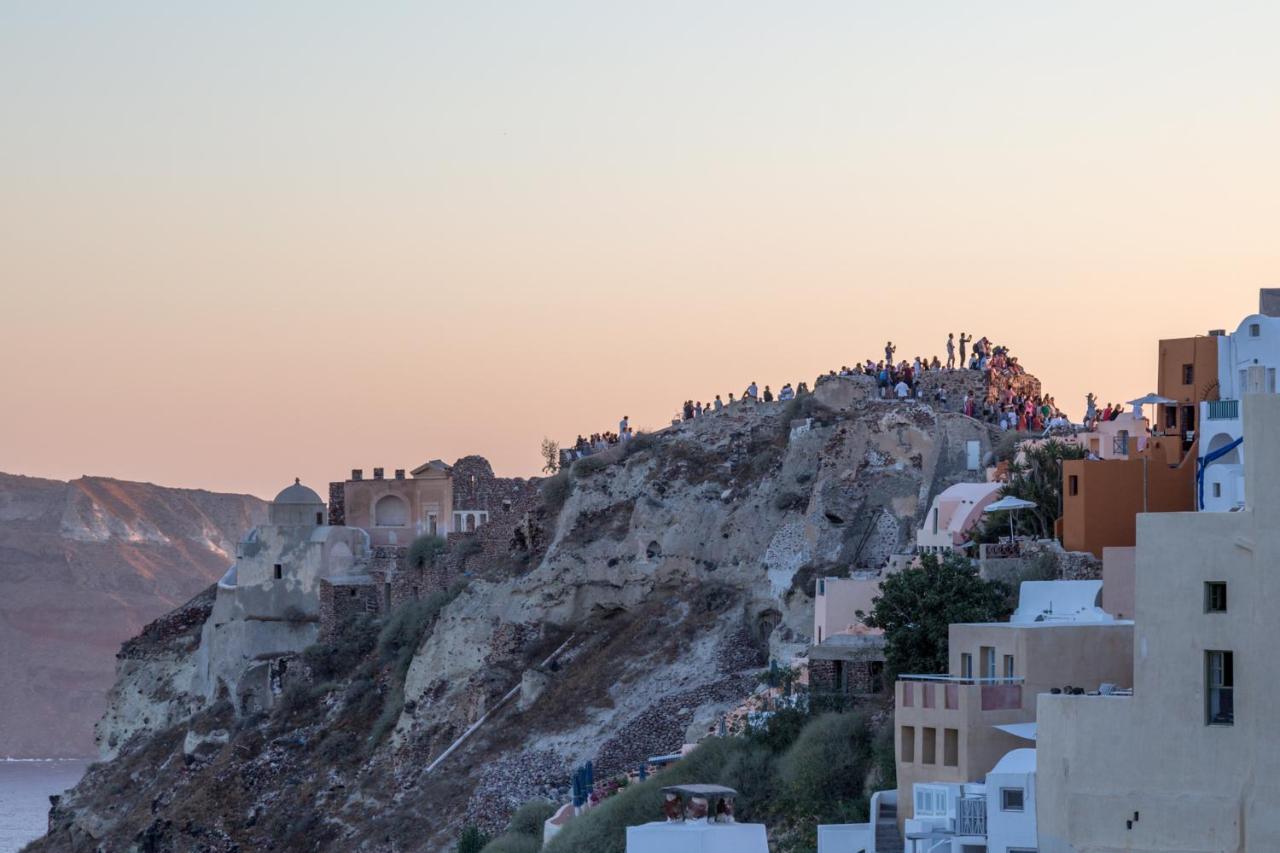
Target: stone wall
<point x="338" y="601"/>
<point x="337" y="504"/>
<point x="861" y="677"/>
<point x="475" y="487"/>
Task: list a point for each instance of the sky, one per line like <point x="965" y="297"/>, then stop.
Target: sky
<point x="243" y="242"/>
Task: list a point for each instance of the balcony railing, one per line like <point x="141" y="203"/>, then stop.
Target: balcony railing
<point x="960" y="679"/>
<point x="1224" y="410"/>
<point x="949" y="692"/>
<point x="971" y="816"/>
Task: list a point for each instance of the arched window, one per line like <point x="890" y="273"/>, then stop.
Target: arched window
<point x="471" y="522"/>
<point x="390" y="511"/>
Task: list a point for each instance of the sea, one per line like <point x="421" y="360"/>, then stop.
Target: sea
<point x="25" y="786"/>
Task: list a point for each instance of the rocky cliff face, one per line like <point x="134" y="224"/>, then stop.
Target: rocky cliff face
<point x="83" y="566"/>
<point x="676" y="567"/>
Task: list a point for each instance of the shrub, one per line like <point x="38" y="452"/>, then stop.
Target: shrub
<point x="824" y="769"/>
<point x="354" y="638"/>
<point x="424" y="551"/>
<point x="588" y="465"/>
<point x="472" y="840"/>
<point x="530" y="817"/>
<point x="514" y="843"/>
<point x="555" y="491"/>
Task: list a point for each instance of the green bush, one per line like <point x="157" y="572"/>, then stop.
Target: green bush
<point x="588" y="465"/>
<point x="822" y="773"/>
<point x="472" y="840"/>
<point x="529" y="818"/>
<point x="514" y="843"/>
<point x="408" y="625"/>
<point x="424" y="551"/>
<point x="354" y="638"/>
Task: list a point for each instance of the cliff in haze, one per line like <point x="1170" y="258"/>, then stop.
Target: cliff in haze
<point x="83" y="566"/>
<point x="640" y="601"/>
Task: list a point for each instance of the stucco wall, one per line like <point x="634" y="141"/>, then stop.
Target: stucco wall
<point x="1194" y="786"/>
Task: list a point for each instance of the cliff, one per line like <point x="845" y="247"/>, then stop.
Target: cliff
<point x="83" y="566"/>
<point x="674" y="568"/>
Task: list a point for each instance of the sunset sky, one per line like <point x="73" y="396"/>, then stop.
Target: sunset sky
<point x="243" y="242"/>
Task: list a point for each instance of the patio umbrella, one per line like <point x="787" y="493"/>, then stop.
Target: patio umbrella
<point x="1150" y="399"/>
<point x="1009" y="504"/>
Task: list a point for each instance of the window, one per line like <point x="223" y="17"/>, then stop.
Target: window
<point x="278" y="571"/>
<point x="351" y="593"/>
<point x="1219" y="681"/>
<point x="1215" y="596"/>
<point x="931" y="801"/>
<point x="988" y="661"/>
<point x="1008" y="666"/>
<point x="1170" y="417"/>
<point x="1255" y="330"/>
<point x="929" y="745"/>
<point x="1271" y="380"/>
<point x="319" y="518"/>
<point x="951" y="747"/>
<point x="1217" y="490"/>
<point x="966" y="665"/>
<point x="822" y="588"/>
<point x="935" y="522"/>
<point x="1188" y="374"/>
<point x="908" y="744"/>
<point x="1073" y="485"/>
<point x="1010" y="799"/>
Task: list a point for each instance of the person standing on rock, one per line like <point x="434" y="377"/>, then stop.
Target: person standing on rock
<point x="964" y="339"/>
<point x="717" y="404"/>
<point x="623" y="424"/>
<point x="889" y="350"/>
<point x="768" y="395"/>
<point x="951" y="351"/>
<point x="751" y="391"/>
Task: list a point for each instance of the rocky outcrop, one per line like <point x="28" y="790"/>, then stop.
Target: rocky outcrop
<point x="675" y="567"/>
<point x="83" y="567"/>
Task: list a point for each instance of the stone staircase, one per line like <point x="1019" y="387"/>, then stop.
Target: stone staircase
<point x="888" y="839"/>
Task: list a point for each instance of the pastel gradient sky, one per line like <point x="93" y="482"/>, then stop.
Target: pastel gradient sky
<point x="242" y="242"/>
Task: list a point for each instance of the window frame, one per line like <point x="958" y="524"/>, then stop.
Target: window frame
<point x="937" y="794"/>
<point x="1226" y="688"/>
<point x="1211" y="603"/>
<point x="1004" y="799"/>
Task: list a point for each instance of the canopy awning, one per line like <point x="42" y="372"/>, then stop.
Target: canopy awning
<point x="1026" y="731"/>
<point x="1007" y="503"/>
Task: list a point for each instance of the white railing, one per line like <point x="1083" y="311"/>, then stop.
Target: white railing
<point x="971" y="816"/>
<point x="960" y="679"/>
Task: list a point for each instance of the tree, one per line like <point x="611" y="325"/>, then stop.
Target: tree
<point x="1037" y="478"/>
<point x="550" y="456"/>
<point x="916" y="606"/>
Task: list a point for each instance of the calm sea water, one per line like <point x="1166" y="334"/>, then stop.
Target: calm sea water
<point x="25" y="787"/>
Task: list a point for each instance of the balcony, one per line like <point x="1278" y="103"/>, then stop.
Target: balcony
<point x="971" y="816"/>
<point x="952" y="692"/>
<point x="1224" y="410"/>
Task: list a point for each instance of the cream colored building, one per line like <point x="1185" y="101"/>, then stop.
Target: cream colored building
<point x="1173" y="767"/>
<point x="836" y="604"/>
<point x="397" y="510"/>
<point x="949" y="727"/>
<point x="955" y="511"/>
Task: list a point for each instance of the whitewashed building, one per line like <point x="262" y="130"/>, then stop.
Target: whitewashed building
<point x="994" y="816"/>
<point x="1248" y="359"/>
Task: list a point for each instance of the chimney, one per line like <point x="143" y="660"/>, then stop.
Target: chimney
<point x="399" y="473"/>
<point x="357" y="473"/>
<point x="377" y="473"/>
<point x="1269" y="301"/>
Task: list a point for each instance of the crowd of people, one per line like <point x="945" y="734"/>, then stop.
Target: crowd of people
<point x="1094" y="416"/>
<point x="901" y="380"/>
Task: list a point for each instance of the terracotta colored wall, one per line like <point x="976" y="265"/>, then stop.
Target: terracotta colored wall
<point x="1202" y="352"/>
<point x="1109" y="496"/>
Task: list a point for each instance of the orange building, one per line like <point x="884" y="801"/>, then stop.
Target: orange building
<point x="1188" y="373"/>
<point x="1101" y="498"/>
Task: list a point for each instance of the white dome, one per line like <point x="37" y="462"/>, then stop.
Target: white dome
<point x="297" y="494"/>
